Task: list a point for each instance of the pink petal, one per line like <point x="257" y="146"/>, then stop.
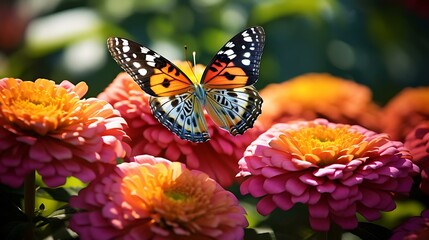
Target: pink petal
<point x="265" y="206"/>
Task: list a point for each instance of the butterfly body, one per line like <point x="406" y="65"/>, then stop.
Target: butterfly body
<point x="225" y="89"/>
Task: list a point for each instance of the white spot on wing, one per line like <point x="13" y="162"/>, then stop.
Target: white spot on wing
<point x="137" y="65"/>
<point x="245" y="62"/>
<point x="144" y="50"/>
<point x="229" y="52"/>
<point x="230" y="44"/>
<point x="125" y="48"/>
<point x="142" y="71"/>
<point x="248" y="39"/>
<point x="150" y="58"/>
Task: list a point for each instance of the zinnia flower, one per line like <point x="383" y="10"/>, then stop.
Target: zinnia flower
<point x="337" y="170"/>
<point x="319" y="95"/>
<point x="414" y="228"/>
<point x="48" y="128"/>
<point x="153" y="198"/>
<point x="217" y="157"/>
<point x="418" y="143"/>
<point x="405" y="111"/>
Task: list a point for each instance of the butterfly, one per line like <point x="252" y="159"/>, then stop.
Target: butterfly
<point x="225" y="90"/>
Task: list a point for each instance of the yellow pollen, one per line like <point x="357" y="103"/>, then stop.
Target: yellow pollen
<point x="323" y="145"/>
<point x="171" y="194"/>
<point x="39" y="106"/>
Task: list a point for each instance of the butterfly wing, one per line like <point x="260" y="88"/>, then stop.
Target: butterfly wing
<point x="231" y="101"/>
<point x="182" y="114"/>
<point x="235" y="109"/>
<point x="236" y="64"/>
<point x="172" y="100"/>
<point x="153" y="73"/>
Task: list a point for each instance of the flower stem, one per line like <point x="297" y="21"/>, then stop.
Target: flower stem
<point x="29" y="202"/>
<point x="334" y="233"/>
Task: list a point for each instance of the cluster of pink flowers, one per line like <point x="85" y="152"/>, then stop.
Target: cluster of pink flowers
<point x="328" y="151"/>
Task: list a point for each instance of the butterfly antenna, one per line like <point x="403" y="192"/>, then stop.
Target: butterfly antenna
<point x="185" y="53"/>
<point x="194" y="56"/>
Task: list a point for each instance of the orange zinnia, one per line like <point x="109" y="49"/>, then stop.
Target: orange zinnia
<point x="49" y="128"/>
<point x="405" y="111"/>
<point x="153" y="198"/>
<point x="316" y="95"/>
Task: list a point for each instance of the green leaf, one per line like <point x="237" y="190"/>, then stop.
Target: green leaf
<point x="253" y="234"/>
<point x="371" y="231"/>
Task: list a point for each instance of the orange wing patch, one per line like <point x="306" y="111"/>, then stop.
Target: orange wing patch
<point x="169" y="81"/>
<point x="221" y="75"/>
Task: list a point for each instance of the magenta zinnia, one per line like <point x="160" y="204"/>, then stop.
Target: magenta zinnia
<point x="414" y="228"/>
<point x="336" y="170"/>
<point x="49" y="128"/>
<point x="217" y="157"/>
<point x="153" y="198"/>
<point x="418" y="143"/>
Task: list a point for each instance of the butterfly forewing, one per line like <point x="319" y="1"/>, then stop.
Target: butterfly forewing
<point x="182" y="114"/>
<point x="153" y="73"/>
<point x="234" y="110"/>
<point x="236" y="64"/>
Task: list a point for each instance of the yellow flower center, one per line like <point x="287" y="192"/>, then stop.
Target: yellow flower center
<point x="171" y="195"/>
<point x="39" y="106"/>
<point x="175" y="196"/>
<point x="322" y="145"/>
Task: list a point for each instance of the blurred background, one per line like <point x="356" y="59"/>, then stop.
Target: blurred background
<point x="383" y="44"/>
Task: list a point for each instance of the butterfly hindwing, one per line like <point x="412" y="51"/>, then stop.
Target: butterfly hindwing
<point x="181" y="114"/>
<point x="234" y="110"/>
<point x="152" y="72"/>
<point x="236" y="64"/>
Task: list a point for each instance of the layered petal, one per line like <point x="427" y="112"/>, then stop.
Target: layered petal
<point x="153" y="198"/>
<point x="418" y="143"/>
<point x="319" y="95"/>
<point x="405" y="111"/>
<point x="413" y="228"/>
<point x="49" y="128"/>
<point x="337" y="170"/>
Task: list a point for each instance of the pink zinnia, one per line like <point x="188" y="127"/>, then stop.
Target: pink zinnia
<point x="49" y="128"/>
<point x="153" y="198"/>
<point x="217" y="157"/>
<point x="418" y="143"/>
<point x="414" y="228"/>
<point x="337" y="170"/>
